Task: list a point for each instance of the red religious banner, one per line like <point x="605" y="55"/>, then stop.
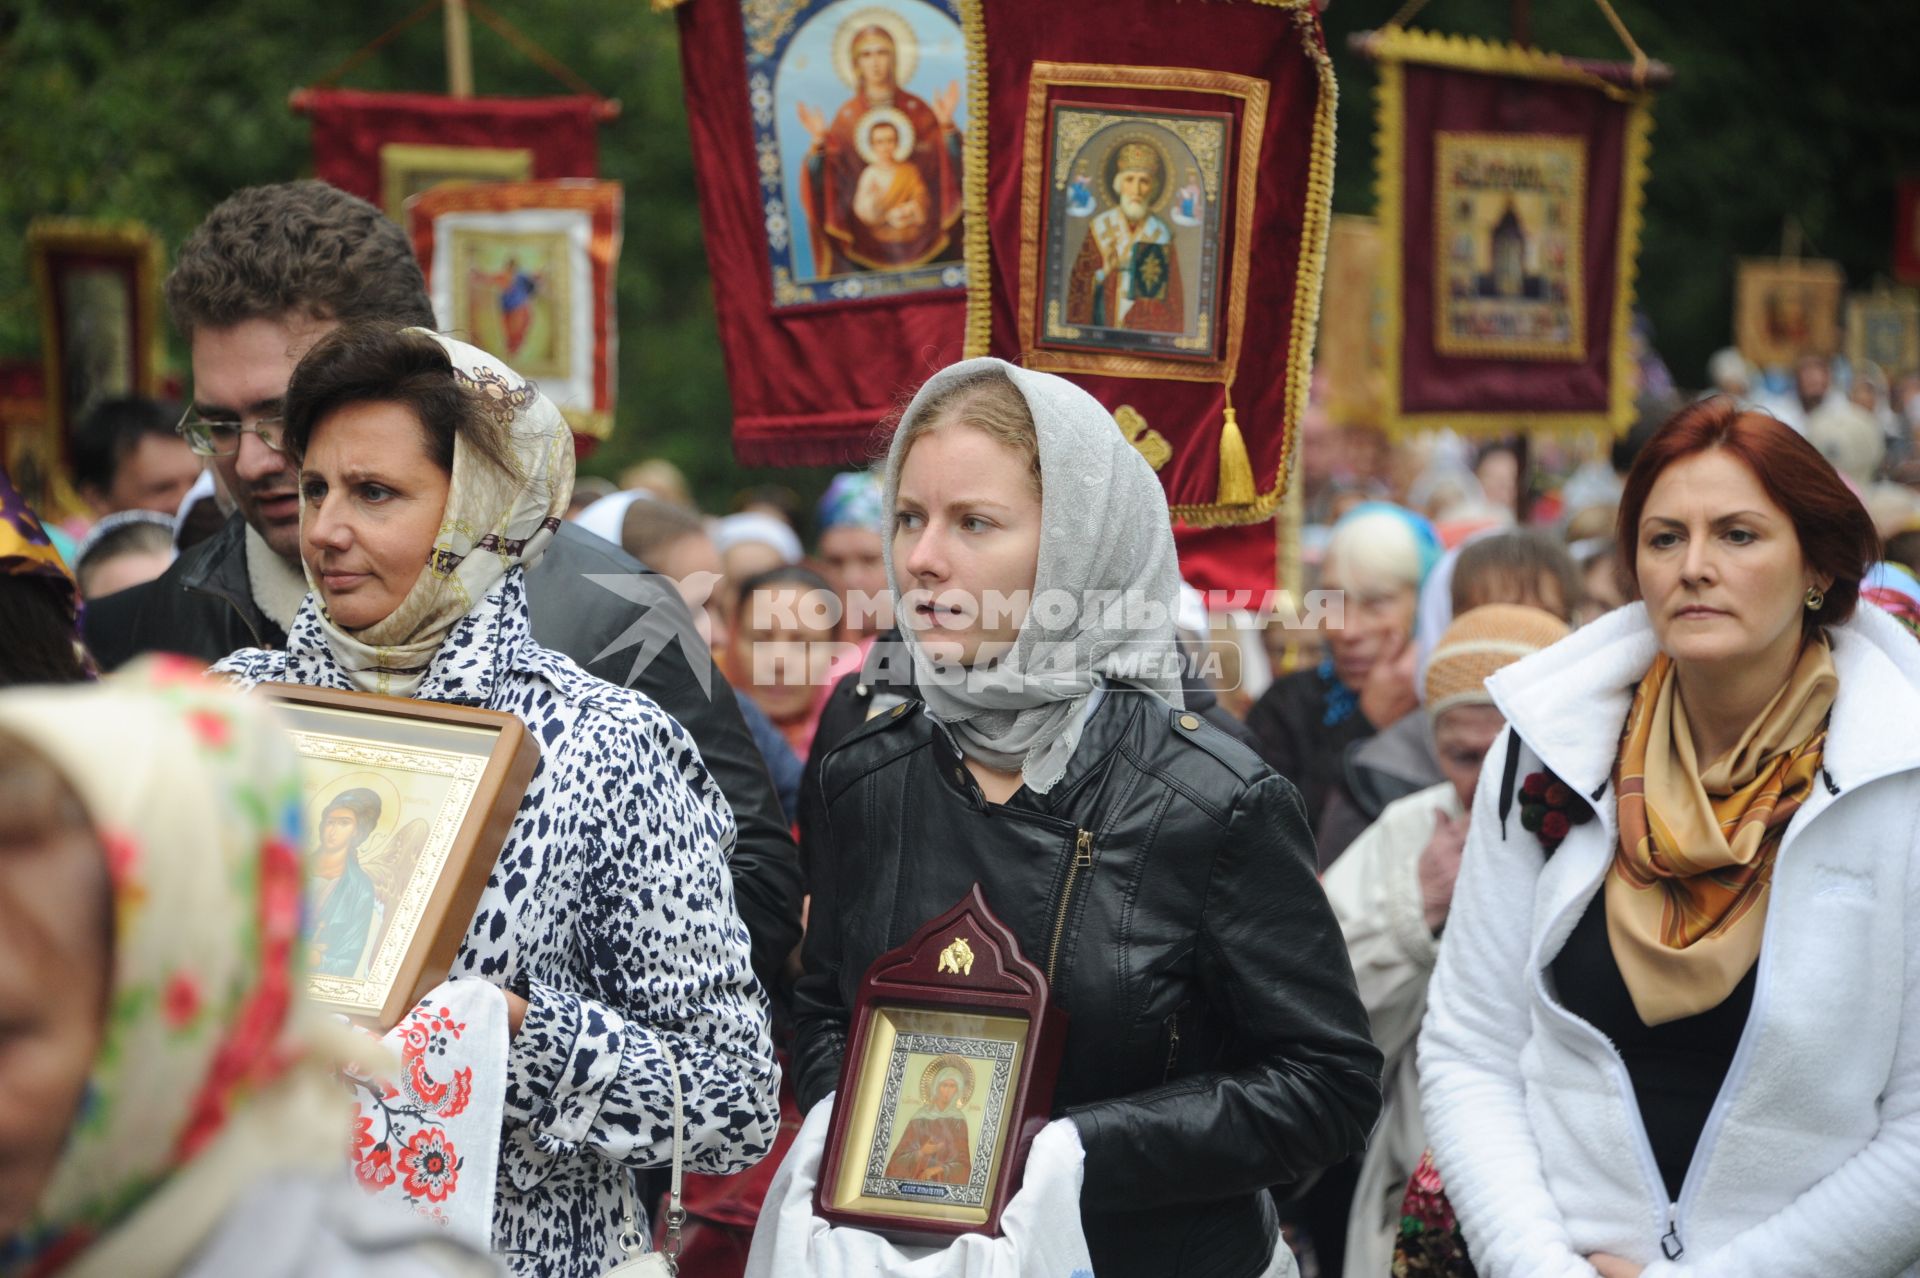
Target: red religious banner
<point x="829" y="152"/>
<point x="525" y="270"/>
<point x="384" y="147"/>
<point x="1906" y="231"/>
<point x="1510" y="205"/>
<point x="1151" y="221"/>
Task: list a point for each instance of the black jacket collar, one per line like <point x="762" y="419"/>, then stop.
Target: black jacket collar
<point x="219" y="568"/>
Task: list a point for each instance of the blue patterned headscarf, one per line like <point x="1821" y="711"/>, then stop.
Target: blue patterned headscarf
<point x="852" y="500"/>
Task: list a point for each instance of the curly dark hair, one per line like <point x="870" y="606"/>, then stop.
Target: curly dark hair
<point x="295" y="247"/>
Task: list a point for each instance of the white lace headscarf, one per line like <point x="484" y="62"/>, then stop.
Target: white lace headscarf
<point x="494" y="521"/>
<point x="1104" y="535"/>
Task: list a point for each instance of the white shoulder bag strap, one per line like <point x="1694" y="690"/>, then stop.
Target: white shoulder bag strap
<point x="639" y="1262"/>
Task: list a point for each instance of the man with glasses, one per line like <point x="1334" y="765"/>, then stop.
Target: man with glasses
<point x="271" y="271"/>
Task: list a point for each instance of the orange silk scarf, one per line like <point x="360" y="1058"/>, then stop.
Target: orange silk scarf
<point x="1687" y="891"/>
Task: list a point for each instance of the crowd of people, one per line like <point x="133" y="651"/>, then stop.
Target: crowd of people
<point x="1541" y="906"/>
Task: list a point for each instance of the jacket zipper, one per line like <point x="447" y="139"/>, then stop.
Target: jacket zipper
<point x="1672" y="1246"/>
<point x="1743" y="1050"/>
<point x="1082" y="860"/>
<point x="1173" y="1041"/>
<point x="1643" y="1145"/>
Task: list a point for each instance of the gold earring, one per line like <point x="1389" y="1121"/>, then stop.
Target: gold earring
<point x="1816" y="598"/>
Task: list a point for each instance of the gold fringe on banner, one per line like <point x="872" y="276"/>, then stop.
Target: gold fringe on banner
<point x="979" y="330"/>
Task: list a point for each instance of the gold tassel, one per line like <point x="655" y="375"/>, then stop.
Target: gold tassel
<point x="1236" y="469"/>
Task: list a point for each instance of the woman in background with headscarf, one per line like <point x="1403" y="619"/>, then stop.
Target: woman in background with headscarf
<point x="1152" y="866"/>
<point x="166" y="1099"/>
<point x="39" y="637"/>
<point x="1376" y="560"/>
<point x="430" y="474"/>
<point x="122" y="550"/>
<point x="852" y="554"/>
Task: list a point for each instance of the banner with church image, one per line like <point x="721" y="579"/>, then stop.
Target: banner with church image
<point x="829" y="151"/>
<point x="1510" y="189"/>
<point x="1153" y="223"/>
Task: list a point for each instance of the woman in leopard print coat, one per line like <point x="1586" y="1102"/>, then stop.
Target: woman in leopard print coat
<point x="609" y="915"/>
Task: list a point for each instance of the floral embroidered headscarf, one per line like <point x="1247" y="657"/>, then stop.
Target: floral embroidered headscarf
<point x="212" y="1068"/>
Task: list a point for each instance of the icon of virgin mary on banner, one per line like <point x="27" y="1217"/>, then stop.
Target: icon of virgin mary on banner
<point x="859" y="122"/>
<point x="880" y="186"/>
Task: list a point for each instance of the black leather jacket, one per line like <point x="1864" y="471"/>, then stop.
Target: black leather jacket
<point x="1216" y="1044"/>
<point x="887" y="676"/>
<point x="203" y="606"/>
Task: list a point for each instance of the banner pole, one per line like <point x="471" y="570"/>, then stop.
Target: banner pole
<point x="459" y="50"/>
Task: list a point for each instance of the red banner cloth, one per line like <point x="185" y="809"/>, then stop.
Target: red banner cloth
<point x="350" y="127"/>
<point x="1906" y="231"/>
<point x="1230" y="560"/>
<point x="1510" y="200"/>
<point x="1058" y="80"/>
<point x="811" y="378"/>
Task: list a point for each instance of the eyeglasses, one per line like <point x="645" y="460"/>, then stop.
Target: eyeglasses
<point x="222" y="438"/>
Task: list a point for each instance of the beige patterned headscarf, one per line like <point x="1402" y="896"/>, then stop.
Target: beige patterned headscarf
<point x="213" y="1072"/>
<point x="493" y="521"/>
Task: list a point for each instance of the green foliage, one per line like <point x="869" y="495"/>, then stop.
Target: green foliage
<point x="156" y="110"/>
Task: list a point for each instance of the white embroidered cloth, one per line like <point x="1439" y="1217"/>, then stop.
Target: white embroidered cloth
<point x="429" y="1138"/>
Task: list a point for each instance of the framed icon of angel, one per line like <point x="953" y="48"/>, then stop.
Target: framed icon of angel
<point x="406" y="806"/>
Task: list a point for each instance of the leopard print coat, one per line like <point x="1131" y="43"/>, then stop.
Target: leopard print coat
<point x="611" y="899"/>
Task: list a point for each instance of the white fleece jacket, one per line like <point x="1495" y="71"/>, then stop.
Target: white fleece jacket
<point x="1809" y="1166"/>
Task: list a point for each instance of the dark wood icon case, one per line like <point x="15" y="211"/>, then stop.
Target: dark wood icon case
<point x="949" y="1073"/>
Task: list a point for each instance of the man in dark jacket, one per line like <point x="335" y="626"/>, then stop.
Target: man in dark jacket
<point x="271" y="271"/>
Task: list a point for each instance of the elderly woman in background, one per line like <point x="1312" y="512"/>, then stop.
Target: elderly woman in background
<point x="1675" y="1024"/>
<point x="1377" y="558"/>
<point x="166" y="1100"/>
<point x="429" y="475"/>
<point x="1514" y="566"/>
<point x="1391" y="891"/>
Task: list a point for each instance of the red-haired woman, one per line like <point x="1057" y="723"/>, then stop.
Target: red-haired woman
<point x="1675" y="1026"/>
